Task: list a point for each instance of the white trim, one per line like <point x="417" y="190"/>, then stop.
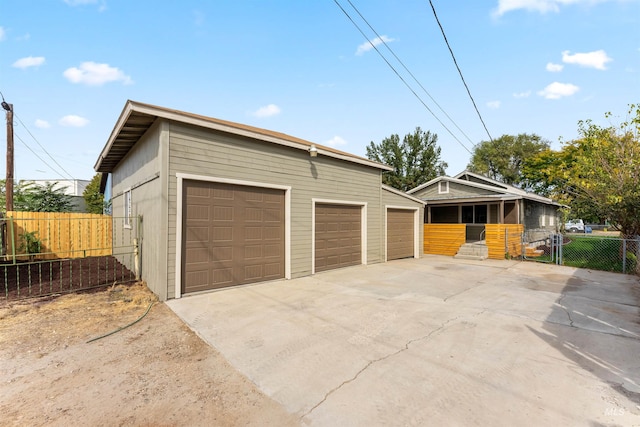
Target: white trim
<point x="287" y="219"/>
<point x="402" y="194"/>
<point x="228" y="127"/>
<point x="363" y="227"/>
<point x="416" y="228"/>
<point x="127" y="205"/>
<point x="440" y="190"/>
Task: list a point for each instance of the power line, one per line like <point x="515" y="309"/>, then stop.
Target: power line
<point x="44" y="149"/>
<point x="400" y="77"/>
<point x="408" y="71"/>
<point x="458" y="68"/>
<point x="36" y="154"/>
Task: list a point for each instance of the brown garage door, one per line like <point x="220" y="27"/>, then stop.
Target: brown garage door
<point x="338" y="236"/>
<point x="400" y="233"/>
<point x="233" y="235"/>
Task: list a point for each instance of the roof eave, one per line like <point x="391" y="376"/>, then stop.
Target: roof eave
<point x="222" y="126"/>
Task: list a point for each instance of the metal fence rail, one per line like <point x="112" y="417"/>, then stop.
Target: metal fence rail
<point x="604" y="253"/>
<point x="60" y="254"/>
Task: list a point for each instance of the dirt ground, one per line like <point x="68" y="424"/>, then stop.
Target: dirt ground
<point x="156" y="372"/>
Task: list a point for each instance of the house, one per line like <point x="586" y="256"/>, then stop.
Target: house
<point x="476" y="203"/>
<point x="225" y="204"/>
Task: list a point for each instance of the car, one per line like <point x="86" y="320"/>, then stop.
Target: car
<point x="574" y="226"/>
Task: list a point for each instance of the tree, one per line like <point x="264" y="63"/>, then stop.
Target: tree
<point x="502" y="159"/>
<point x="30" y="197"/>
<point x="93" y="199"/>
<point x="606" y="171"/>
<point x="415" y="160"/>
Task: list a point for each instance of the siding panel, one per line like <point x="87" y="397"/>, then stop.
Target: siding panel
<point x="208" y="153"/>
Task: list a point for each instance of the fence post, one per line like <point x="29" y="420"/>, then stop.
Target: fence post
<point x="13" y="241"/>
<point x="136" y="258"/>
<point x="624" y="256"/>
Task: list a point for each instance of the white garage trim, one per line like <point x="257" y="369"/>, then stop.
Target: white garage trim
<point x="363" y="227"/>
<point x="416" y="228"/>
<point x="287" y="219"/>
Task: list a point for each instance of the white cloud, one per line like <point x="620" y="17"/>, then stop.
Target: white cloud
<point x="74" y="121"/>
<point x="29" y="61"/>
<point x="541" y="6"/>
<point x="42" y="124"/>
<point x="336" y="141"/>
<point x="494" y="105"/>
<point x="597" y="59"/>
<point x="102" y="3"/>
<point x="367" y="46"/>
<point x="554" y="68"/>
<point x="267" y="111"/>
<point x="3" y="34"/>
<point x="525" y="94"/>
<point x="557" y="90"/>
<point x="94" y="74"/>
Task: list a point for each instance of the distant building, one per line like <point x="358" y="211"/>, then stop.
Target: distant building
<point x="72" y="187"/>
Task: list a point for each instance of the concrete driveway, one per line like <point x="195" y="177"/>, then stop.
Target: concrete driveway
<point x="435" y="341"/>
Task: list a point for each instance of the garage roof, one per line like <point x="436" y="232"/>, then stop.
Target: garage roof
<point x="136" y="118"/>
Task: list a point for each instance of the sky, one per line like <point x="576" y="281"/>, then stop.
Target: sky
<point x="305" y="69"/>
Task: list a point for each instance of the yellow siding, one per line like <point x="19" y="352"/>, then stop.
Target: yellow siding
<point x="495" y="238"/>
<point x="62" y="235"/>
<point x="443" y="239"/>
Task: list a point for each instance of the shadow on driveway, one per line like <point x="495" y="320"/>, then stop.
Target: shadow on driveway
<point x="609" y="305"/>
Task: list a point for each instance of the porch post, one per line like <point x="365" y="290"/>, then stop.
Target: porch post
<point x="501" y="213"/>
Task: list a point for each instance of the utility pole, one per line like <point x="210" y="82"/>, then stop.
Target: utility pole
<point x="9" y="182"/>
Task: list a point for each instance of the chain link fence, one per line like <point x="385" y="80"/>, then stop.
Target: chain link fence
<point x="606" y="253"/>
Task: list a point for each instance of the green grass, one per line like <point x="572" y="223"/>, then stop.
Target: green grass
<point x="595" y="253"/>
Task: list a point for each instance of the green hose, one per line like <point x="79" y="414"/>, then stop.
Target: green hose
<point x="123" y="327"/>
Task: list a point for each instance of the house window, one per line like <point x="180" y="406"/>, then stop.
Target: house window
<point x="551" y="218"/>
<point x="127" y="208"/>
<point x="443" y="187"/>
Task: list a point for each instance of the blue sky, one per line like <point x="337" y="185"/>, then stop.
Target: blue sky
<point x="302" y="68"/>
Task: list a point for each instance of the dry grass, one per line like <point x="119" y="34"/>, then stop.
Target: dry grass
<point x="74" y="316"/>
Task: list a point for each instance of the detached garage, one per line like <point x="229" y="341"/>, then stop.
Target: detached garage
<point x="224" y="204"/>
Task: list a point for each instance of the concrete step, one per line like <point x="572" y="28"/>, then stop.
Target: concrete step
<point x="477" y="251"/>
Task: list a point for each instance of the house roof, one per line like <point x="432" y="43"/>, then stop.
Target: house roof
<point x="401" y="193"/>
<point x="136" y="118"/>
<point x="501" y="191"/>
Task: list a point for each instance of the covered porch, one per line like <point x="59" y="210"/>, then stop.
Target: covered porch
<point x="474" y="214"/>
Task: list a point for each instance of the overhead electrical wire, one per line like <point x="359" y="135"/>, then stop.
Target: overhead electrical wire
<point x="36" y="154"/>
<point x="401" y="78"/>
<point x="459" y="71"/>
<point x="408" y="71"/>
<point x="44" y="149"/>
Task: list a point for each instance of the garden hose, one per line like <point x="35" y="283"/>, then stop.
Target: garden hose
<point x="123" y="327"/>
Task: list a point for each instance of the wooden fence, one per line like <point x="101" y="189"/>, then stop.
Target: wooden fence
<point x="60" y="235"/>
<point x="504" y="240"/>
<point x="444" y="239"/>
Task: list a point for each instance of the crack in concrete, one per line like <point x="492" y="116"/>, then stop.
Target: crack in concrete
<point x="559" y="304"/>
<point x="371" y="362"/>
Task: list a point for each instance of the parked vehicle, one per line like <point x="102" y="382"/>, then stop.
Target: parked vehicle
<point x="574" y="226"/>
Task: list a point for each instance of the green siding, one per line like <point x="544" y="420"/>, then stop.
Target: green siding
<point x="456" y="190"/>
<point x="203" y="152"/>
<point x="141" y="170"/>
